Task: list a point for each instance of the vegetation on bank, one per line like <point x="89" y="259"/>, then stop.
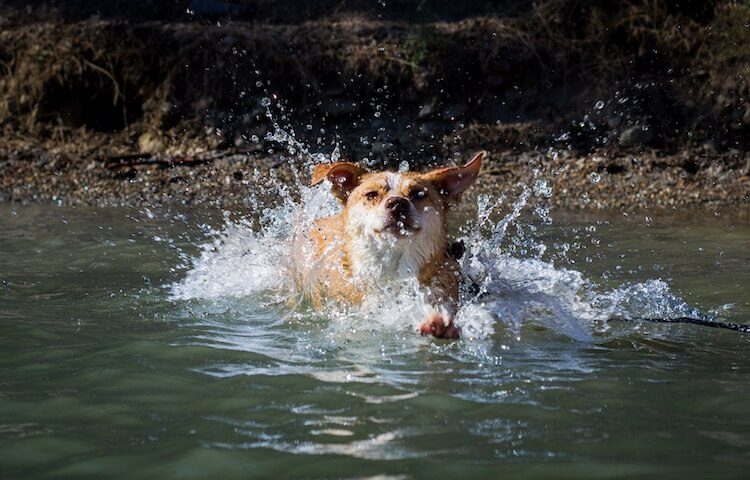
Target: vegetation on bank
<point x="387" y="84"/>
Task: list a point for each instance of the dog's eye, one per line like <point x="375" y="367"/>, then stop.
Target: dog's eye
<point x="371" y="195"/>
<point x="417" y="194"/>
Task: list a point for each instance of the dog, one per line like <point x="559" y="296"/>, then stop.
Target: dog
<point x="391" y="228"/>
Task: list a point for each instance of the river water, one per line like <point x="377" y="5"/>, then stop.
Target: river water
<point x="160" y="344"/>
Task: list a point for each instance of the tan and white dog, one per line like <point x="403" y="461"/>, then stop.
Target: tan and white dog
<point x="392" y="228"/>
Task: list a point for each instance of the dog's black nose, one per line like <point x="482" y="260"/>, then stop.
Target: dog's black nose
<point x="397" y="206"/>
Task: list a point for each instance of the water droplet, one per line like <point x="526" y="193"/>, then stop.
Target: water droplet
<point x="542" y="188"/>
<point x="599" y="105"/>
<point x="403" y="166"/>
<point x="265" y="101"/>
<point x="594" y="177"/>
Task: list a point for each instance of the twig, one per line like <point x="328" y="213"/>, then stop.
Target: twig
<point x="135" y="159"/>
<point x="105" y="72"/>
<point x="737" y="327"/>
<point x="405" y="62"/>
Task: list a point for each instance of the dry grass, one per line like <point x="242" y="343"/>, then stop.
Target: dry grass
<point x="178" y="80"/>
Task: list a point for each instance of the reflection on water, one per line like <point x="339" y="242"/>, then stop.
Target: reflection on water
<point x="119" y="355"/>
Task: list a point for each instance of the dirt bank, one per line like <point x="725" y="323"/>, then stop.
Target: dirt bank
<point x="618" y="103"/>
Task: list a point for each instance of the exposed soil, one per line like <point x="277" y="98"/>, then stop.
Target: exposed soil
<point x="619" y="104"/>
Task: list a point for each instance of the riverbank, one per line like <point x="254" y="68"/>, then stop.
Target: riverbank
<point x="228" y="178"/>
<point x="617" y="104"/>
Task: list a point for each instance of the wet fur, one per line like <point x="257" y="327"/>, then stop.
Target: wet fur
<point x="357" y="251"/>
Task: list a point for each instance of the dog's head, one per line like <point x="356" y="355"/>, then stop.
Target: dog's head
<point x="402" y="208"/>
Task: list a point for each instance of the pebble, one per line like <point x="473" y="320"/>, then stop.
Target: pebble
<point x="655" y="180"/>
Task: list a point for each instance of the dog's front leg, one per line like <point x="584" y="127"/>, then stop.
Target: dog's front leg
<point x="439" y="324"/>
<point x="442" y="297"/>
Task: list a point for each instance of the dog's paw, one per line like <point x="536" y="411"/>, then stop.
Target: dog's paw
<point x="439" y="325"/>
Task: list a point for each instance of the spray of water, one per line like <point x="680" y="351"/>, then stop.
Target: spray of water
<point x="267" y="258"/>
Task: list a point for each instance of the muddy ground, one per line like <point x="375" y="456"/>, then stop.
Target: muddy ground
<point x="627" y="104"/>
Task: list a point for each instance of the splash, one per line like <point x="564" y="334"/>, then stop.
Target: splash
<point x="268" y="259"/>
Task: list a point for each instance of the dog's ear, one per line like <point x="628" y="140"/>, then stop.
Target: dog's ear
<point x="344" y="176"/>
<point x="451" y="181"/>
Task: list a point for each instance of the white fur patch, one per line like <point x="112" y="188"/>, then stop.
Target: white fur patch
<point x="383" y="257"/>
<point x="394" y="180"/>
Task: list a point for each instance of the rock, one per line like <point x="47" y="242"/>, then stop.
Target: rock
<point x="150" y="142"/>
<point x="636" y="135"/>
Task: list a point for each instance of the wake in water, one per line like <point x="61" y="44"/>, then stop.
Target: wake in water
<point x="266" y="258"/>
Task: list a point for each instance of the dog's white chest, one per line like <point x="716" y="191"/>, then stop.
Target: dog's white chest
<point x="382" y="261"/>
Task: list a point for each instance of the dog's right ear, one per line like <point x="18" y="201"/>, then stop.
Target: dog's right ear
<point x="344" y="176"/>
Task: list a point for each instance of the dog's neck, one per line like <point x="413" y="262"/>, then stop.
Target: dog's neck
<point x="383" y="260"/>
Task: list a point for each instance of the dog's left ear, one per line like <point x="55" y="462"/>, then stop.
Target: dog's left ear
<point x="344" y="176"/>
<point x="451" y="181"/>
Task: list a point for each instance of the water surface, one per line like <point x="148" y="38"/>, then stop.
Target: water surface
<point x="106" y="372"/>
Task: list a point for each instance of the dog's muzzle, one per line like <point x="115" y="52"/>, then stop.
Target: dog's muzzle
<point x="399" y="220"/>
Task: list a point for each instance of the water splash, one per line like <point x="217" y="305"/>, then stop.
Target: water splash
<point x="268" y="259"/>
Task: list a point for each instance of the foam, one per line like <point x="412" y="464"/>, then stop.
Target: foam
<point x="270" y="256"/>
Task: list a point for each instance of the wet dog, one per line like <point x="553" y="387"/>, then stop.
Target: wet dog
<point x="391" y="228"/>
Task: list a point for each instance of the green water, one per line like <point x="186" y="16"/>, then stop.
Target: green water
<point x="102" y="376"/>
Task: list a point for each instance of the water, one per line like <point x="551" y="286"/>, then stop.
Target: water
<point x="159" y="344"/>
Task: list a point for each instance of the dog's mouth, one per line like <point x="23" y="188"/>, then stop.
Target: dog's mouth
<point x="399" y="227"/>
